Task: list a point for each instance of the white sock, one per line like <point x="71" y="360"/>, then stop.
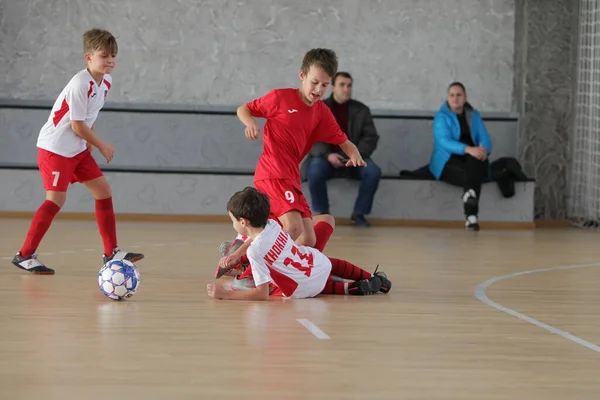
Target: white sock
<point x="469" y="193"/>
<point x="471" y="219"/>
<point x="346" y="288"/>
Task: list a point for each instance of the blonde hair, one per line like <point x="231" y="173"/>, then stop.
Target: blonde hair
<point x="99" y="40"/>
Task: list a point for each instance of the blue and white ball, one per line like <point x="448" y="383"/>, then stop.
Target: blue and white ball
<point x="118" y="279"/>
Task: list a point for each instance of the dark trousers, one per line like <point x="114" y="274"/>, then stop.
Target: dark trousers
<point x="319" y="171"/>
<point x="467" y="172"/>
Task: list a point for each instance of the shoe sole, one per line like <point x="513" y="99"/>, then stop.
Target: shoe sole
<point x="49" y="272"/>
<point x="222" y="271"/>
<point x="136" y="259"/>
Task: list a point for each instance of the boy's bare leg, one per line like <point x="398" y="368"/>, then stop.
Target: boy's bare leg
<point x="300" y="230"/>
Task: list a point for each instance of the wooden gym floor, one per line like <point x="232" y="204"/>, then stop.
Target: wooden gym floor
<point x="461" y="321"/>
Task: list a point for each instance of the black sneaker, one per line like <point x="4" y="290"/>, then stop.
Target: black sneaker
<point x="360" y="220"/>
<point x="123" y="255"/>
<point x="32" y="264"/>
<point x="472" y="224"/>
<point x="365" y="287"/>
<point x="386" y="284"/>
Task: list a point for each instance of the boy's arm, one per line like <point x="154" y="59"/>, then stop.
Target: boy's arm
<point x="87" y="134"/>
<point x="263" y="107"/>
<point x="261" y="292"/>
<point x="260" y="274"/>
<point x="329" y="131"/>
<point x="89" y="145"/>
<point x="355" y="159"/>
<point x="77" y="99"/>
<point x="231" y="260"/>
<point x="252" y="130"/>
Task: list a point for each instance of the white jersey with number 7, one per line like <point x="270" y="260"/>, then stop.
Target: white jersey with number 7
<point x="299" y="271"/>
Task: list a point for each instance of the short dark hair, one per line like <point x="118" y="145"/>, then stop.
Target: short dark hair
<point x="326" y="59"/>
<point x="456" y="83"/>
<point x="341" y="73"/>
<point x="252" y="205"/>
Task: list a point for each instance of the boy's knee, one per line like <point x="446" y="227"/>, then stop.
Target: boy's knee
<point x="105" y="192"/>
<point x="58" y="198"/>
<point x="327" y="218"/>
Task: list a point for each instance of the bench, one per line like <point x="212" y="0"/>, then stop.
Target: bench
<point x="173" y="160"/>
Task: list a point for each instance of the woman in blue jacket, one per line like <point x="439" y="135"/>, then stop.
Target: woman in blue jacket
<point x="460" y="150"/>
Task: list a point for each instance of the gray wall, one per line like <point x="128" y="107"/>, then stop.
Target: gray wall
<point x="192" y="141"/>
<point x="147" y="193"/>
<point x="514" y="56"/>
<point x="402" y="52"/>
<point x="545" y="65"/>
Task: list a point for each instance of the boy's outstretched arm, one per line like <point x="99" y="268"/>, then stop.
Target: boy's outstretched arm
<point x="217" y="291"/>
<point x="245" y="116"/>
<point x="355" y="159"/>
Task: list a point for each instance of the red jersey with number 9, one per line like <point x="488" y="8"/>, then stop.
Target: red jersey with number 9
<point x="299" y="271"/>
<point x="291" y="130"/>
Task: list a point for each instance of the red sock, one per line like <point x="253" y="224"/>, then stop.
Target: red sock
<point x="323" y="232"/>
<point x="105" y="217"/>
<point x="42" y="219"/>
<point x="332" y="287"/>
<point x="347" y="270"/>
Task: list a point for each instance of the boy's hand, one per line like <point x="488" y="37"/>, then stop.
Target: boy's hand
<point x="252" y="131"/>
<point x="356" y="162"/>
<point x="228" y="261"/>
<point x="107" y="150"/>
<point x="215" y="291"/>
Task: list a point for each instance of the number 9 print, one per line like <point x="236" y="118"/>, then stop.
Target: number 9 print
<point x="289" y="196"/>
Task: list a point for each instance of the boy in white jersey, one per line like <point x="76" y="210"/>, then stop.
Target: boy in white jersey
<point x="280" y="267"/>
<point x="64" y="153"/>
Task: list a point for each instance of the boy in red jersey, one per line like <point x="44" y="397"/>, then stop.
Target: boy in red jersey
<point x="279" y="267"/>
<point x="296" y="120"/>
<point x="64" y="156"/>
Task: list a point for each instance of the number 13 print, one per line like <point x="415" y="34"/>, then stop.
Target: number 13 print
<point x="304" y="262"/>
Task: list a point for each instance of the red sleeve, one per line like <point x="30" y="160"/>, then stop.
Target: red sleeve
<point x="265" y="106"/>
<point x="328" y="130"/>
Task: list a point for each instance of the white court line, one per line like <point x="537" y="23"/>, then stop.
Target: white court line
<point x="312" y="328"/>
<point x="480" y="294"/>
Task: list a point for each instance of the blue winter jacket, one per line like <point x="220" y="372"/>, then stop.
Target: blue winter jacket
<point x="446" y="136"/>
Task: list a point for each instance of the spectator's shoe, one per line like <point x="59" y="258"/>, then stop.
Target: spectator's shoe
<point x="32" y="264"/>
<point x="365" y="287"/>
<point x="471" y="224"/>
<point x="386" y="284"/>
<point x="122" y="255"/>
<point x="470" y="202"/>
<point x="360" y="220"/>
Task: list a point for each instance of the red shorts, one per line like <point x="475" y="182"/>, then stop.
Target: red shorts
<point x="285" y="195"/>
<point x="59" y="172"/>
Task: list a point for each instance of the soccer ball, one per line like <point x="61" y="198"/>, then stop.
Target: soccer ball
<point x="118" y="279"/>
